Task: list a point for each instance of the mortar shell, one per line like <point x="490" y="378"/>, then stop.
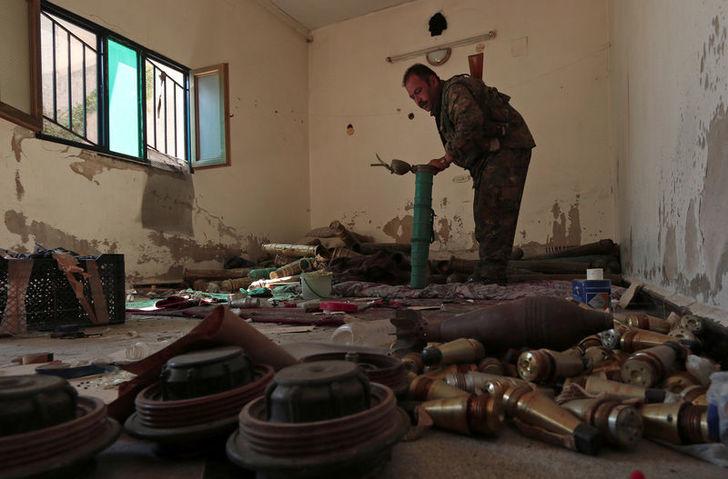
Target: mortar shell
<point x="695" y="394"/>
<point x="648" y="322"/>
<point x="454" y="352"/>
<point x="588" y="342"/>
<point x="638" y="339"/>
<point x="620" y="424"/>
<point x="649" y="366"/>
<point x="491" y="366"/>
<point x="678" y="381"/>
<point x="598" y="385"/>
<point x="596" y="355"/>
<point x="544" y="365"/>
<point x="412" y="361"/>
<point x="423" y="389"/>
<point x="661" y="421"/>
<point x="451" y="369"/>
<point x="481" y="414"/>
<point x="476" y="381"/>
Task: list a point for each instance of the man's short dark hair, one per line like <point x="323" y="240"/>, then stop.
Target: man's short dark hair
<point x="418" y="69"/>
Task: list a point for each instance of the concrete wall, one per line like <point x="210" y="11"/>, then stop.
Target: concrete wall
<point x="60" y="196"/>
<point x="551" y="57"/>
<point x="668" y="78"/>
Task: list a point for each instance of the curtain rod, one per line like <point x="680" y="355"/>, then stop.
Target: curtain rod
<point x="457" y="43"/>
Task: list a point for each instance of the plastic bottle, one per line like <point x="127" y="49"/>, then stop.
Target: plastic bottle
<point x="718" y="399"/>
<point x="379" y="333"/>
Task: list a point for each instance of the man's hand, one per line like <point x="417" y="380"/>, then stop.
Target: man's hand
<point x="440" y="163"/>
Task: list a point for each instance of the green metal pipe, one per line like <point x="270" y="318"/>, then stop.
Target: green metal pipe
<point x="422" y="232"/>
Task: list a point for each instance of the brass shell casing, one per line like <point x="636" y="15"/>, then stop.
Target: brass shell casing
<point x="638" y="339"/>
<point x="491" y="366"/>
<point x="424" y="389"/>
<point x="455" y="352"/>
<point x="695" y="394"/>
<point x="440" y="373"/>
<point x="677" y="423"/>
<point x="598" y="385"/>
<point x="476" y="381"/>
<point x="648" y="322"/>
<point x="482" y="414"/>
<point x="619" y="424"/>
<point x="544" y="365"/>
<point x="412" y="361"/>
<point x="649" y="366"/>
<point x="678" y="381"/>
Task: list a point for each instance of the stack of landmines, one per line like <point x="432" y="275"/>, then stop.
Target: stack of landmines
<point x="631" y="381"/>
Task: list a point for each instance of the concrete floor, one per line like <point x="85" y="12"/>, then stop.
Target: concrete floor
<point x="436" y="455"/>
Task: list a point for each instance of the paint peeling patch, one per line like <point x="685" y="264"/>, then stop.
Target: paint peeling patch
<point x="93" y="164"/>
<point x="20" y="134"/>
<point x="51" y="237"/>
<point x="714" y="197"/>
<point x="443" y="202"/>
<point x="400" y="229"/>
<point x="182" y="249"/>
<point x="461" y="179"/>
<point x="691" y="240"/>
<point x="409" y="206"/>
<point x="19" y="190"/>
<point x="669" y="257"/>
<point x="444" y="231"/>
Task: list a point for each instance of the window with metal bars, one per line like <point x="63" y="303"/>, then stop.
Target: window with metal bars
<point x="104" y="92"/>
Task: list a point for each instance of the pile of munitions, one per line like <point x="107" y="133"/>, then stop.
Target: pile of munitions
<point x="562" y="374"/>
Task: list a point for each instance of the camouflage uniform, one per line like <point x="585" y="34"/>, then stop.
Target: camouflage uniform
<point x="487" y="137"/>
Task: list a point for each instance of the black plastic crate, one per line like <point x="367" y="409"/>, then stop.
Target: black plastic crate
<point x="50" y="301"/>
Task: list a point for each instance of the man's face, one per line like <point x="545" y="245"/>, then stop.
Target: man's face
<point x="422" y="92"/>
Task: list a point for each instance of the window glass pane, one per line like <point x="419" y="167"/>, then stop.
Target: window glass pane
<point x="68" y="64"/>
<point x="165" y="109"/>
<point x="123" y="99"/>
<point x="211" y="129"/>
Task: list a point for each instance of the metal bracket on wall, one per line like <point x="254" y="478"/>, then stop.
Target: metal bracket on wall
<point x="457" y="43"/>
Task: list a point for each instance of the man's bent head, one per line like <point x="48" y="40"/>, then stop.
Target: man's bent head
<point x="422" y="85"/>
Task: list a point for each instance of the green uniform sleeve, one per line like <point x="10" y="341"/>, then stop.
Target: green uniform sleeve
<point x="466" y="144"/>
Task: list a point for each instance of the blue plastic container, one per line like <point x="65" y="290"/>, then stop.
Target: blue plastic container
<point x="592" y="292"/>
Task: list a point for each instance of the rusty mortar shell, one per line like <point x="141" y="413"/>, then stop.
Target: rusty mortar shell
<point x="637" y="339"/>
<point x="620" y="424"/>
<point x="695" y="394"/>
<point x="491" y="366"/>
<point x="454" y="352"/>
<point x="648" y="322"/>
<point x="544" y="365"/>
<point x="610" y="338"/>
<point x="412" y="361"/>
<point x="649" y="366"/>
<point x="678" y="423"/>
<point x="597" y="385"/>
<point x="471" y="415"/>
<point x="424" y="389"/>
<point x="474" y="381"/>
<point x="293" y="268"/>
<point x="440" y="373"/>
<point x="692" y="323"/>
<point x="678" y="381"/>
<point x="536" y="409"/>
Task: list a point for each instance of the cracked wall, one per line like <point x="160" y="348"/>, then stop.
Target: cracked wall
<point x="550" y="57"/>
<point x="670" y="130"/>
<point x="161" y="220"/>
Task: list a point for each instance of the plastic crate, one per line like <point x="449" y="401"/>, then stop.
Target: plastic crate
<point x="50" y="301"/>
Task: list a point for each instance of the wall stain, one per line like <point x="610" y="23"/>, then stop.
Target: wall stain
<point x="19" y="190"/>
<point x="51" y="237"/>
<point x="461" y="179"/>
<point x="167" y="202"/>
<point x="400" y="229"/>
<point x="182" y="249"/>
<point x="714" y="199"/>
<point x="691" y="240"/>
<point x="669" y="257"/>
<point x="565" y="232"/>
<point x="20" y="134"/>
<point x="92" y="164"/>
<point x="444" y="232"/>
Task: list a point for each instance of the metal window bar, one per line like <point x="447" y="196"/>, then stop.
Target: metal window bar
<point x="154" y="101"/>
<point x="174" y="91"/>
<point x="165" y="82"/>
<point x="166" y="143"/>
<point x="55" y="26"/>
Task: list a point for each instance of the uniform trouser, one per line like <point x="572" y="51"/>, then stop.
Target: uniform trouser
<point x="498" y="192"/>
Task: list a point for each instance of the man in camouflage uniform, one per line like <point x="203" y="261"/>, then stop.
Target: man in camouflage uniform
<point x="484" y="134"/>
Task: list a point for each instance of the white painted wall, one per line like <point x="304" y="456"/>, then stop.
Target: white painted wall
<point x="559" y="84"/>
<point x="669" y="78"/>
<point x="62" y="196"/>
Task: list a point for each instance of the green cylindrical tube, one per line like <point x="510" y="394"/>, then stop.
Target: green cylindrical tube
<point x="264" y="273"/>
<point x="422" y="234"/>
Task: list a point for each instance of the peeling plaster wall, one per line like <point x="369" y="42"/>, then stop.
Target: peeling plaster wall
<point x="550" y="57"/>
<point x="161" y="220"/>
<point x="669" y="78"/>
